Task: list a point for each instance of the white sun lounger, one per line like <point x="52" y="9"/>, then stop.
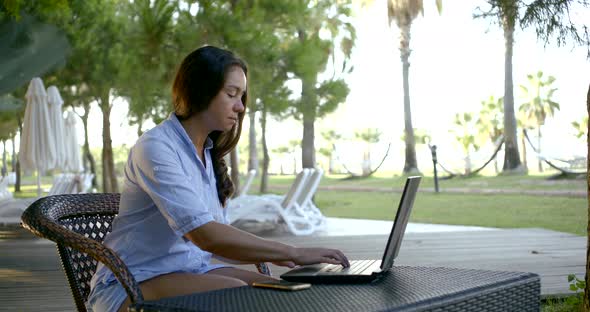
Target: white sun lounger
<point x="265" y="209"/>
<point x="11" y="208"/>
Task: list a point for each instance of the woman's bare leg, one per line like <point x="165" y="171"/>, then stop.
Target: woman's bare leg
<point x="246" y="276"/>
<point x="178" y="284"/>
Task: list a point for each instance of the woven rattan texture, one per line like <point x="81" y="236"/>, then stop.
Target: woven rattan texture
<point x="83" y="266"/>
<point x="402" y="289"/>
<point x="78" y="224"/>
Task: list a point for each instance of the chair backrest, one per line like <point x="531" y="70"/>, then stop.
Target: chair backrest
<point x="58" y="184"/>
<point x="249" y="179"/>
<point x="11" y="178"/>
<point x="78" y="224"/>
<point x="86" y="182"/>
<point x="310" y="187"/>
<point x="4" y="191"/>
<point x="296" y="187"/>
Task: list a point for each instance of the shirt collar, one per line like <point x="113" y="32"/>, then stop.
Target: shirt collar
<point x="180" y="129"/>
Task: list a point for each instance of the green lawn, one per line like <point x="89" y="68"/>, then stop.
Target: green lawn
<point x="565" y="214"/>
<point x="503" y="211"/>
<point x="530" y="182"/>
<point x="482" y="182"/>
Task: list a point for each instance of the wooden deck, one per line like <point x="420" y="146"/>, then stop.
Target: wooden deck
<point x="31" y="278"/>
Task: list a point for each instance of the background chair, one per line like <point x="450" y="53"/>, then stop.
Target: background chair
<point x="245" y="207"/>
<point x="248" y="182"/>
<point x="12" y="208"/>
<point x="4" y="191"/>
<point x="274" y="209"/>
<point x="78" y="223"/>
<point x="305" y="199"/>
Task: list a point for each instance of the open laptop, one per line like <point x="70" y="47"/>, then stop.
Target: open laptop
<point x="363" y="270"/>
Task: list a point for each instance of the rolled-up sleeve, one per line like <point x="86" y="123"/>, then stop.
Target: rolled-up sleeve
<point x="178" y="196"/>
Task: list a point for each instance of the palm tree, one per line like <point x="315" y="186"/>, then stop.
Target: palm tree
<point x="289" y="149"/>
<point x="506" y="14"/>
<point x="331" y="137"/>
<point x="464" y="125"/>
<point x="538" y="104"/>
<point x="581" y="127"/>
<point x="369" y="136"/>
<point x="252" y="150"/>
<point x="318" y="29"/>
<point x="12" y="108"/>
<point x="490" y="121"/>
<point x="403" y="12"/>
<point x="8" y="127"/>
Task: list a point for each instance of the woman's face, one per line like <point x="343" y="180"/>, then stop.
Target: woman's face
<point x="222" y="113"/>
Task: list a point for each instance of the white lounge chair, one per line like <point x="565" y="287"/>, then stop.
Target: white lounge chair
<point x="305" y="198"/>
<point x="12" y="208"/>
<point x="248" y="182"/>
<point x="267" y="210"/>
<point x="4" y="192"/>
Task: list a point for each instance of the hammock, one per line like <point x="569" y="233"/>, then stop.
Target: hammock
<point x="552" y="164"/>
<point x="499" y="142"/>
<point x="354" y="175"/>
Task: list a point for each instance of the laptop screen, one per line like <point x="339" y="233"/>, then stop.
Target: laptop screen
<point x="401" y="220"/>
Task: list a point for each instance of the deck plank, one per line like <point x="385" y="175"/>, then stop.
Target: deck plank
<point x="31" y="276"/>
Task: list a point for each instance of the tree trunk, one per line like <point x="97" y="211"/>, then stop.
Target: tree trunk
<point x="139" y="126"/>
<point x="539" y="148"/>
<point x="235" y="169"/>
<point x="265" y="156"/>
<point x="496" y="165"/>
<point x="252" y="151"/>
<point x="366" y="165"/>
<point x="18" y="177"/>
<point x="331" y="163"/>
<point x="411" y="163"/>
<point x="4" y="166"/>
<point x="89" y="162"/>
<point x="587" y="278"/>
<point x="511" y="155"/>
<point x="525" y="164"/>
<point x="109" y="177"/>
<point x="467" y="163"/>
<point x="308" y="99"/>
<point x="13" y="160"/>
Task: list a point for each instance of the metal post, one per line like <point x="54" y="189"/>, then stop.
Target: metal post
<point x="433" y="151"/>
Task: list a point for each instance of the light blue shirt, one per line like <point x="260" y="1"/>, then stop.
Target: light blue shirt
<point x="167" y="193"/>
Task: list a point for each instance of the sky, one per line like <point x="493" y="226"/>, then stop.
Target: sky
<point x="456" y="62"/>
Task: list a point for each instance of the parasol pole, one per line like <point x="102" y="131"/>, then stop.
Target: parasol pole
<point x="38" y="182"/>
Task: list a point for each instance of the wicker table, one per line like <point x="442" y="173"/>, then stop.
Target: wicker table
<point x="402" y="289"/>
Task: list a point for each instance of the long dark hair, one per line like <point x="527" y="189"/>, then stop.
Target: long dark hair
<point x="199" y="79"/>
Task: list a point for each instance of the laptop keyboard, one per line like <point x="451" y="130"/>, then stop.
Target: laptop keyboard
<point x="356" y="267"/>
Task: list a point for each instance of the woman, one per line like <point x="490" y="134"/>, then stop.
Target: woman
<point x="171" y="218"/>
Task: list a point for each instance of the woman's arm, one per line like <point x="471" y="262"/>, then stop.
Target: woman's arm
<point x="232" y="243"/>
<point x="230" y="261"/>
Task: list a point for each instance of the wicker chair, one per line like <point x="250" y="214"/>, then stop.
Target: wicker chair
<point x="78" y="224"/>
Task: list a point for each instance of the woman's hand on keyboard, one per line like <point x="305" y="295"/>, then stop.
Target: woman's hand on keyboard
<point x="303" y="256"/>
